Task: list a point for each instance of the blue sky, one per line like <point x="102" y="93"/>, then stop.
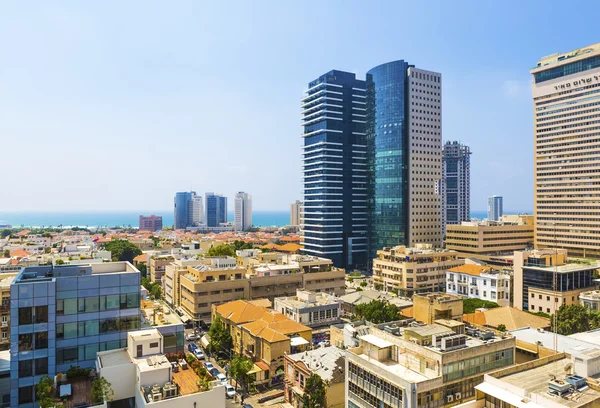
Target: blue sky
<point x="116" y="105"/>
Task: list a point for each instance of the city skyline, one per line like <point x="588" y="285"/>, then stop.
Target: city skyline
<point x="83" y="79"/>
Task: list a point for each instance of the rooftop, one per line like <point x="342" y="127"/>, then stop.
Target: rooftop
<point x="400" y="370"/>
<point x="566" y="344"/>
<point x="430" y="330"/>
<point x="51" y="272"/>
<point x="510" y="317"/>
<point x="114" y="358"/>
<point x="570" y="267"/>
<point x="327" y="362"/>
<point x="473" y="270"/>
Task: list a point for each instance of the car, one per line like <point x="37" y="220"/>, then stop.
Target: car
<point x="208" y="365"/>
<point x="191" y="337"/>
<point x="247" y="406"/>
<point x="221" y="377"/>
<point x="192" y="347"/>
<point x="214" y="372"/>
<point x="229" y="391"/>
<point x="198" y="353"/>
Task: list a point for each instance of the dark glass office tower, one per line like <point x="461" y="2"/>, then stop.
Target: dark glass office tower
<point x="335" y="172"/>
<point x="181" y="205"/>
<point x="387" y="152"/>
<point x="216" y="209"/>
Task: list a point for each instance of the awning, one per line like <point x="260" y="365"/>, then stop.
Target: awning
<point x="255" y="369"/>
<point x="505" y="396"/>
<point x="298" y="341"/>
<point x="376" y="341"/>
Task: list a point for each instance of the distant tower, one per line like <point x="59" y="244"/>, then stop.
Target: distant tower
<point x="494" y="208"/>
<point x="216" y="209"/>
<point x="243" y="211"/>
<point x="296" y="213"/>
<point x="196" y="210"/>
<point x="455" y="185"/>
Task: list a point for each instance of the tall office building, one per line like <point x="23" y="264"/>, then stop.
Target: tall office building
<point x="216" y="209"/>
<point x="404" y="139"/>
<point x="335" y="173"/>
<point x="243" y="211"/>
<point x="566" y="151"/>
<point x="296" y="210"/>
<point x="187" y="204"/>
<point x="64" y="315"/>
<point x="196" y="210"/>
<point x="455" y="184"/>
<point x="494" y="208"/>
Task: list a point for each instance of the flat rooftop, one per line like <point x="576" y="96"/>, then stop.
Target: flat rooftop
<point x="570" y="267"/>
<point x="114" y="358"/>
<point x="566" y="344"/>
<point x="50" y="272"/>
<point x="399" y="370"/>
<point x="535" y="381"/>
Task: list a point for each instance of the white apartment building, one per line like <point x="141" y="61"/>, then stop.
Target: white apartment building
<point x="480" y="282"/>
<point x="243" y="211"/>
<point x="310" y="308"/>
<point x="296" y="213"/>
<point x="196" y="208"/>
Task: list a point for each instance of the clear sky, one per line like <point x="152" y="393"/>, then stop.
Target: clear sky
<point x="115" y="105"/>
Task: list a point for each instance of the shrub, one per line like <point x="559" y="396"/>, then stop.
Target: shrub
<point x="190" y="358"/>
<point x="78" y="372"/>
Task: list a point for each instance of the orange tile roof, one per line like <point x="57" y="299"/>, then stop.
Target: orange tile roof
<point x="290" y="239"/>
<point x="290" y="248"/>
<point x="469" y="269"/>
<point x="143" y="258"/>
<point x="19" y="253"/>
<point x="512" y="318"/>
<point x="264" y="366"/>
<point x="407" y="312"/>
<point x="240" y="311"/>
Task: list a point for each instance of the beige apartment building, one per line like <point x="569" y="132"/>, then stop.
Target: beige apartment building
<point x="157" y="265"/>
<point x="488" y="238"/>
<point x="430" y="307"/>
<point x="567" y="151"/>
<point x="5" y="283"/>
<point x="413" y="270"/>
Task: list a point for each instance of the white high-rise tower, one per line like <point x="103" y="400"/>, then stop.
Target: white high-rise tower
<point x="243" y="211"/>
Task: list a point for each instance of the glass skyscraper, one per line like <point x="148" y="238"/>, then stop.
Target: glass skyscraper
<point x="455" y="185"/>
<point x="216" y="209"/>
<point x="182" y="209"/>
<point x="335" y="169"/>
<point x="494" y="208"/>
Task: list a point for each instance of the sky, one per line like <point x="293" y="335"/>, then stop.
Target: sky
<point x="117" y="105"/>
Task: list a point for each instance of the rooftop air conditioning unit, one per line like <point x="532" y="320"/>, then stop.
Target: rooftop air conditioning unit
<point x="156" y="396"/>
<point x="450" y="398"/>
<point x="457" y="396"/>
<point x="149" y="397"/>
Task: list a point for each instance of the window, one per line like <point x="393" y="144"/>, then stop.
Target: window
<point x="540" y="308"/>
<point x="26" y="394"/>
<point x="92" y="304"/>
<point x="25" y="315"/>
<point x="540" y="297"/>
<point x="532" y="295"/>
<point x="25" y="368"/>
<point x="26" y="342"/>
<point x="547" y="310"/>
<point x="41" y="366"/>
<point x="154" y="345"/>
<point x="548" y="298"/>
<point x="66" y="355"/>
<point x="41" y="340"/>
<point x="41" y="314"/>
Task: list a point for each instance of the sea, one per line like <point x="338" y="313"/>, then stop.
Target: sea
<point x="130" y="218"/>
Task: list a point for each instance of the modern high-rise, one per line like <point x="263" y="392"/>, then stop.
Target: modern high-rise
<point x="404" y="139"/>
<point x="188" y="209"/>
<point x="455" y="184"/>
<point x="150" y="223"/>
<point x="64" y="315"/>
<point x="296" y="210"/>
<point x="566" y="88"/>
<point x="494" y="208"/>
<point x="216" y="209"/>
<point x="335" y="169"/>
<point x="243" y="211"/>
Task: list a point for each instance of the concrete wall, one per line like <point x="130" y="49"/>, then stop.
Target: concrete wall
<point x="214" y="398"/>
<point x="122" y="380"/>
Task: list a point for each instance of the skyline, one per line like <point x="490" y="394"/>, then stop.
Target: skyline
<point x="143" y="99"/>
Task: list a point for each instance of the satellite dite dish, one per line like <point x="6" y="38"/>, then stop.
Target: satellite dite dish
<point x="569" y="368"/>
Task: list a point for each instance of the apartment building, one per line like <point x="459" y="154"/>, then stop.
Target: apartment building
<point x="63" y="315"/>
<point x="150" y="223"/>
<point x="413" y="270"/>
<point x="243" y="211"/>
<point x="263" y="335"/>
<point x="141" y="376"/>
<point x="5" y="282"/>
<point x="310" y="308"/>
<point x="430" y="307"/>
<point x="424" y="366"/>
<point x="590" y="299"/>
<point x="484" y="239"/>
<point x="495" y="210"/>
<point x="296" y="210"/>
<point x="566" y="143"/>
<point x="479" y="282"/>
<point x="326" y="362"/>
<point x="537" y="290"/>
<point x="157" y="265"/>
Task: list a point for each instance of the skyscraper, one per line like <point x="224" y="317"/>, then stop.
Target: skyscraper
<point x="243" y="211"/>
<point x="455" y="185"/>
<point x="404" y="137"/>
<point x="182" y="209"/>
<point x="296" y="210"/>
<point x="494" y="208"/>
<point x="216" y="209"/>
<point x="334" y="156"/>
<point x="567" y="151"/>
<point x="196" y="210"/>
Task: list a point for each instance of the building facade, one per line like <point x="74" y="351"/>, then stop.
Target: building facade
<point x="566" y="151"/>
<point x="150" y="223"/>
<point x="494" y="208"/>
<point x="64" y="315"/>
<point x="188" y="209"/>
<point x="196" y="211"/>
<point x="334" y="156"/>
<point x="312" y="309"/>
<point x="479" y="282"/>
<point x="243" y="211"/>
<point x="216" y="209"/>
<point x="413" y="270"/>
<point x="455" y="184"/>
<point x="296" y="210"/>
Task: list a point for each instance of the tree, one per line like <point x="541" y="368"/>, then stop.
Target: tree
<point x="574" y="319"/>
<point x="314" y="393"/>
<point x="221" y="250"/>
<point x="6" y="253"/>
<point x="363" y="284"/>
<point x="378" y="286"/>
<point x="44" y="391"/>
<point x="59" y="262"/>
<point x="156" y="291"/>
<point x="5" y="233"/>
<point x="501" y="327"/>
<point x="470" y="305"/>
<point x="239" y="368"/>
<point x="377" y="311"/>
<point x="220" y="339"/>
<point x="101" y="391"/>
<point x="142" y="268"/>
<point x="122" y="250"/>
<point x="238" y="244"/>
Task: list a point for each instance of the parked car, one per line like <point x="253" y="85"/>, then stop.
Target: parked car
<point x="198" y="353"/>
<point x="229" y="391"/>
<point x="222" y="378"/>
<point x="191" y="337"/>
<point x="183" y="363"/>
<point x="247" y="406"/>
<point x="214" y="372"/>
<point x="192" y="347"/>
<point x="208" y="365"/>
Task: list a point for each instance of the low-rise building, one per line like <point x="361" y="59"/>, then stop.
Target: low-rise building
<point x="326" y="362"/>
<point x="430" y="307"/>
<point x="590" y="299"/>
<point x="479" y="282"/>
<point x="310" y="308"/>
<point x="535" y="288"/>
<point x="6" y="280"/>
<point x="156" y="267"/>
<point x="141" y="376"/>
<point x="413" y="270"/>
<point x="391" y="368"/>
<point x="351" y="300"/>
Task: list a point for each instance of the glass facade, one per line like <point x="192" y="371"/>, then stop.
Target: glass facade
<point x="387" y="153"/>
<point x="334" y="156"/>
<point x="567" y="69"/>
<point x="455" y="184"/>
<point x="216" y="209"/>
<point x="567" y="281"/>
<point x="182" y="202"/>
